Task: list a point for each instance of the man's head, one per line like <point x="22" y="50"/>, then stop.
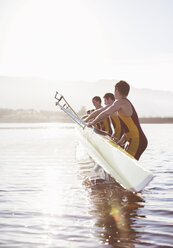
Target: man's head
<point x="109" y="98"/>
<point x="96" y="102"/>
<point x="122" y="89"/>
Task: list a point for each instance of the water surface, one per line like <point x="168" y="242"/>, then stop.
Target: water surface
<point x="45" y="200"/>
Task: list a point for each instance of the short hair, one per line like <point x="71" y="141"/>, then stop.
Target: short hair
<point x="123" y="87"/>
<point x="90" y="111"/>
<point x="97" y="98"/>
<point x="109" y="95"/>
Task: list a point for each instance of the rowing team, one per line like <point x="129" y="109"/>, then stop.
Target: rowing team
<point x="119" y="120"/>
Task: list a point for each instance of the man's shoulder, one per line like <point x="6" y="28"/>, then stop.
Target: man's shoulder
<point x="123" y="101"/>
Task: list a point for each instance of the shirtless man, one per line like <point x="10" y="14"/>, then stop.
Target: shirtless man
<point x="128" y="118"/>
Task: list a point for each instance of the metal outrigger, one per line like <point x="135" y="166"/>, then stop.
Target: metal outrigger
<point x="65" y="106"/>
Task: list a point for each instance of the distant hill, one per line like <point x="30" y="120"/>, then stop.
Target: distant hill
<point x="38" y="94"/>
<point x="31" y="115"/>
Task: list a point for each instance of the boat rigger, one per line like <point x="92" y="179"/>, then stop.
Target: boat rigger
<point x="113" y="159"/>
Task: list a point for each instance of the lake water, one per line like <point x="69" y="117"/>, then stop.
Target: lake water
<point x="46" y="201"/>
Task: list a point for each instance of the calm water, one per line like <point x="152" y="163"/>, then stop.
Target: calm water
<point x="46" y="201"/>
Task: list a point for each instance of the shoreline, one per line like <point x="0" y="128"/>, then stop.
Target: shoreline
<point x="156" y="120"/>
<point x="34" y="116"/>
<point x="144" y="120"/>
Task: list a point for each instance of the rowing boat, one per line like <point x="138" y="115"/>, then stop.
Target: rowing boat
<point x="114" y="160"/>
<point x="124" y="168"/>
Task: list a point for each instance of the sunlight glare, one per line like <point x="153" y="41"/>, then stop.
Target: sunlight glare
<point x="59" y="39"/>
<point x="53" y="193"/>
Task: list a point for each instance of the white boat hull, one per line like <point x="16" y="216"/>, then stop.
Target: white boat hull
<point x="114" y="160"/>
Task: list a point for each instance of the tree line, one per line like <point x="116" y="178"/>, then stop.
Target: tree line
<point x="32" y="115"/>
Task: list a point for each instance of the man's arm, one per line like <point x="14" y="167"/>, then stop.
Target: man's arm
<point x="95" y="113"/>
<point x="84" y="117"/>
<point x="103" y="114"/>
<point x="122" y="140"/>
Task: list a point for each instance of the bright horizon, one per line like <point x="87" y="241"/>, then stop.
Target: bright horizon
<point x="88" y="40"/>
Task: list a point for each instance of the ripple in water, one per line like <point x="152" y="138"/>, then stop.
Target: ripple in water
<point x="47" y="202"/>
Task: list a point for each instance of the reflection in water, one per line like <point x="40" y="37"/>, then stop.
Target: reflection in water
<point x="44" y="204"/>
<point x="116" y="210"/>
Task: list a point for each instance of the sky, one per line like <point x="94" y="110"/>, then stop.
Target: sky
<point x="88" y="40"/>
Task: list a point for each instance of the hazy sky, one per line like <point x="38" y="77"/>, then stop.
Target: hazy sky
<point x="89" y="40"/>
